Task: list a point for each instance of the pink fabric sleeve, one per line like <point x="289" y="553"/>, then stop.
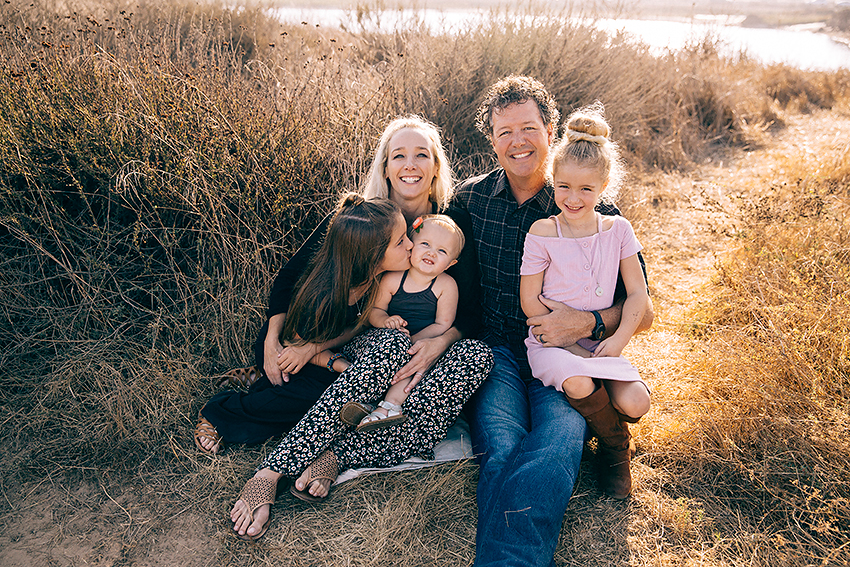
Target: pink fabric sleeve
<point x="629" y="245"/>
<point x="535" y="258"/>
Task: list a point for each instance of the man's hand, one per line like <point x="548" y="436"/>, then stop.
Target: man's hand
<point x="563" y="327"/>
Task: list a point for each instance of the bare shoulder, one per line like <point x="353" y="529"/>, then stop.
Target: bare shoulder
<point x="390" y="281"/>
<point x="610" y="221"/>
<point x="544" y="227"/>
<point x="444" y="282"/>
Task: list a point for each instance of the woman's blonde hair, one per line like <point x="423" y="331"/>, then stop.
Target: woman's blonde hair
<point x="442" y="186"/>
<point x="586" y="143"/>
<point x="350" y="256"/>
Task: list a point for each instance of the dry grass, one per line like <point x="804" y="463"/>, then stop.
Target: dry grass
<point x="157" y="165"/>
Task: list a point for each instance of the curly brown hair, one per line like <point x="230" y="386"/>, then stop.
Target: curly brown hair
<point x="516" y="89"/>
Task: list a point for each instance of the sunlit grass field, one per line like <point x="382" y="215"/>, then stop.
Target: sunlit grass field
<point x="159" y="163"/>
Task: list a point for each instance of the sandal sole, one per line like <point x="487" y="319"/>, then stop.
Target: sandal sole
<point x="352" y="413"/>
<point x="381" y="423"/>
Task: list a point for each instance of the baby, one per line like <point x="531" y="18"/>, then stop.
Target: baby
<point x="421" y="301"/>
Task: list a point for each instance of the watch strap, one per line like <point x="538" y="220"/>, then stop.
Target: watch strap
<point x="599" y="328"/>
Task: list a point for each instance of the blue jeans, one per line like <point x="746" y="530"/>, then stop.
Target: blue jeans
<point x="528" y="441"/>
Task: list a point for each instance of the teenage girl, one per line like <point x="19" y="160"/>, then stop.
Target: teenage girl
<point x="332" y="301"/>
<point x="421" y="301"/>
<point x="321" y="444"/>
<point x="574" y="258"/>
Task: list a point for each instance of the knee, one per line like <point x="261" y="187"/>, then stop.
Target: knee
<point x="389" y="343"/>
<point x="578" y="387"/>
<point x="634" y="405"/>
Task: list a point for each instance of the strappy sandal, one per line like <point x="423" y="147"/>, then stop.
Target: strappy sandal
<point x="239" y="377"/>
<point x="376" y="420"/>
<point x="325" y="467"/>
<point x="207" y="430"/>
<point x="258" y="491"/>
<point x="352" y="413"/>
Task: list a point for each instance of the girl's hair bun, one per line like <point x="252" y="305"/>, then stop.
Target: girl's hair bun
<point x="588" y="124"/>
<point x="352" y="200"/>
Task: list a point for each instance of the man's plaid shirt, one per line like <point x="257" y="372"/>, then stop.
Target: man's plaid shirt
<point x="499" y="227"/>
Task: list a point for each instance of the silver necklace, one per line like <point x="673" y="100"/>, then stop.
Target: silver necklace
<point x="598" y="291"/>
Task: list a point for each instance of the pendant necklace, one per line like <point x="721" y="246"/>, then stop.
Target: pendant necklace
<point x="598" y="291"/>
<point x="357" y="303"/>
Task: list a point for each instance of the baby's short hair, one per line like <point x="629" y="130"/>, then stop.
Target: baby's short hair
<point x="446" y="222"/>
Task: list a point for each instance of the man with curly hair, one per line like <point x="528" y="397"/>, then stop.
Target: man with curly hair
<point x="527" y="437"/>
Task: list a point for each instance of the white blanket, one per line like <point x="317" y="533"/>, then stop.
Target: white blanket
<point x="456" y="446"/>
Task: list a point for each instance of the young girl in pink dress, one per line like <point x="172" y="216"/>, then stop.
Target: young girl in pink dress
<point x="575" y="258"/>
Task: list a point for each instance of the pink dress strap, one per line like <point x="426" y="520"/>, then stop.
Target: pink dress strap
<point x="557" y="225"/>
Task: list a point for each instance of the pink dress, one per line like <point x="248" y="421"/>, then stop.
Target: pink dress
<point x="574" y="269"/>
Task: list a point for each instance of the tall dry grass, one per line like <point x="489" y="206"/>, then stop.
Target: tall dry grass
<point x="157" y="164"/>
<point x="768" y="426"/>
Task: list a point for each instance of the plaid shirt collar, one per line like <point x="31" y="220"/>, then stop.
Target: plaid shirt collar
<point x="543" y="199"/>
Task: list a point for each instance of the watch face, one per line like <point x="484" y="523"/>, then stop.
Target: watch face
<point x="598" y="331"/>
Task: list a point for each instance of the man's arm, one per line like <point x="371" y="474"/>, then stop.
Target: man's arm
<point x="564" y="326"/>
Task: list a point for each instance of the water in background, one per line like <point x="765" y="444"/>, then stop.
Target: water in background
<point x="798" y="46"/>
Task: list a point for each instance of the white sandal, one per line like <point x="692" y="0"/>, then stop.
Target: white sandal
<point x="377" y="420"/>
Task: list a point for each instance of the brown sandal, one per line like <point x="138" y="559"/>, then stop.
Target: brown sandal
<point x="258" y="491"/>
<point x="207" y="430"/>
<point x="239" y="378"/>
<point x="352" y="413"/>
<point x="323" y="468"/>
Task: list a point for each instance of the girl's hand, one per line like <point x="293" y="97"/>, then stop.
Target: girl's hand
<point x="395" y="322"/>
<point x="293" y="358"/>
<point x="611" y="346"/>
<point x="271" y="351"/>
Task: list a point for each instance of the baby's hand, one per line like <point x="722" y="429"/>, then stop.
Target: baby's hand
<point x="395" y="322"/>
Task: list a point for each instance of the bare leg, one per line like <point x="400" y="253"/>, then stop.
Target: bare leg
<point x="395" y="395"/>
<point x="577" y="387"/>
<point x="628" y="398"/>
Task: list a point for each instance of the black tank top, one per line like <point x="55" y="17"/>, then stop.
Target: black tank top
<point x="419" y="309"/>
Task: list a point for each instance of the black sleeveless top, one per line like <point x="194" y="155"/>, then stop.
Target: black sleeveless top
<point x="419" y="309"/>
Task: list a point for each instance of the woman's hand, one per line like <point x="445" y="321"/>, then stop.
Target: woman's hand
<point x="293" y="358"/>
<point x="424" y="353"/>
<point x="271" y="349"/>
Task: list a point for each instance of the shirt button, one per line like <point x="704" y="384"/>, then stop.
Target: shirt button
<point x="586" y="288"/>
<point x="584" y="244"/>
<point x="587" y="266"/>
<point x="585" y="308"/>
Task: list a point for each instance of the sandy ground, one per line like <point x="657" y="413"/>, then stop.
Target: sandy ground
<point x="683" y="223"/>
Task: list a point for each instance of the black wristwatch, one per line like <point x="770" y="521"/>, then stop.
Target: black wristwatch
<point x="598" y="329"/>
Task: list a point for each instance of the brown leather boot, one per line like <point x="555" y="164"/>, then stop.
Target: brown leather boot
<point x="625" y="420"/>
<point x="614" y="453"/>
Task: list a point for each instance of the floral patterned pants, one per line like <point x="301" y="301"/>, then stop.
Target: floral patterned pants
<point x="432" y="406"/>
